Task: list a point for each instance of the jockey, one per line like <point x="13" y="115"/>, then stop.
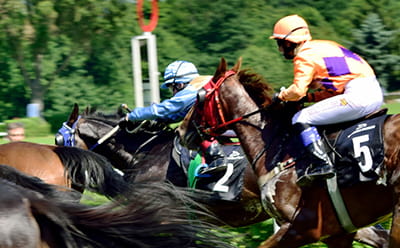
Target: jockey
<point x="345" y="88"/>
<point x="183" y="79"/>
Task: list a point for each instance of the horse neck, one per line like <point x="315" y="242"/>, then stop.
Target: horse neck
<point x="238" y="103"/>
<point x="139" y="153"/>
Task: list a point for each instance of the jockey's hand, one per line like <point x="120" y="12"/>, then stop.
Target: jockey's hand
<point x="123" y="122"/>
<point x="304" y="99"/>
<point x="276" y="99"/>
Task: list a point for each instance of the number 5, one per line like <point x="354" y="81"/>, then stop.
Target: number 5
<point x="360" y="150"/>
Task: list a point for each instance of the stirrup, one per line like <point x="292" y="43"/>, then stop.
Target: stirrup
<point x="308" y="178"/>
<point x="213" y="169"/>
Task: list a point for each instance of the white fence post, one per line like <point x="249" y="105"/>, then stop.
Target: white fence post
<point x="145" y="92"/>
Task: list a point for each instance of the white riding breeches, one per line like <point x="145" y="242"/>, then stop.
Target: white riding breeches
<point x="361" y="97"/>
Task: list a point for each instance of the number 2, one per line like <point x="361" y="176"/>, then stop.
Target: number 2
<point x="219" y="186"/>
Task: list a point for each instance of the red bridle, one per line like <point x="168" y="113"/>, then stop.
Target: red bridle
<point x="212" y="121"/>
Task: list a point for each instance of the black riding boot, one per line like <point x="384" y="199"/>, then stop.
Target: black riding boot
<point x="321" y="166"/>
<point x="215" y="158"/>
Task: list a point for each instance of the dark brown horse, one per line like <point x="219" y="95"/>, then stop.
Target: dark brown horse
<point x="305" y="215"/>
<point x="34" y="214"/>
<point x="145" y="156"/>
<point x="69" y="167"/>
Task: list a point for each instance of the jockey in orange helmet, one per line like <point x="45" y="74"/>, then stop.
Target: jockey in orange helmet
<point x="347" y="88"/>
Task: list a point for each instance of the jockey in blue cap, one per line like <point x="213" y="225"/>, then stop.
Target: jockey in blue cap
<point x="184" y="80"/>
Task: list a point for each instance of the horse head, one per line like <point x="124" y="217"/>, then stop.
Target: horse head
<point x="212" y="114"/>
<point x="67" y="135"/>
<point x="125" y="146"/>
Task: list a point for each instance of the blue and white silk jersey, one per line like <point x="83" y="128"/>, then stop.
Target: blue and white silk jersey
<point x="173" y="109"/>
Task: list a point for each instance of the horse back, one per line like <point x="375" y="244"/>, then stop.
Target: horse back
<point x="391" y="134"/>
<point x="34" y="159"/>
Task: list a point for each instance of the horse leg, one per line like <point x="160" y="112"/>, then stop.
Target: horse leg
<point x="394" y="240"/>
<point x="340" y="241"/>
<point x="286" y="237"/>
<point x="373" y="236"/>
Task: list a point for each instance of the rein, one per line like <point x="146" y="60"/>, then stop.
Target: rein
<point x="213" y="102"/>
<point x="209" y="118"/>
<point x="67" y="135"/>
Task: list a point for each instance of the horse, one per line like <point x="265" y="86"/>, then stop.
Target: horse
<point x="145" y="155"/>
<point x="68" y="167"/>
<point x="242" y="101"/>
<point x="34" y="214"/>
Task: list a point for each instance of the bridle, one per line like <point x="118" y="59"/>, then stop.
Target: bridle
<point x="213" y="121"/>
<point x="66" y="134"/>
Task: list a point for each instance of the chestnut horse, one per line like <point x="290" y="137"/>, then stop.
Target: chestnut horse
<point x="34" y="214"/>
<point x="68" y="167"/>
<point x="145" y="156"/>
<point x="305" y="215"/>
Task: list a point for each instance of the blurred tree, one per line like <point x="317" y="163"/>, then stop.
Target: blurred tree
<point x="58" y="52"/>
<point x="51" y="40"/>
<point x="371" y="41"/>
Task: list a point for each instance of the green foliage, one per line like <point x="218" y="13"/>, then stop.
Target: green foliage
<point x="372" y="41"/>
<point x="66" y="51"/>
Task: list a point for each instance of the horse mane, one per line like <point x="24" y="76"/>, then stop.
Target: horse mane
<point x="91" y="171"/>
<point x="256" y="86"/>
<point x="107" y="118"/>
<point x="112" y="119"/>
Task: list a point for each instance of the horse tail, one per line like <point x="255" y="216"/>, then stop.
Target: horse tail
<point x="91" y="171"/>
<point x="33" y="215"/>
<point x="17" y="177"/>
<point x="154" y="215"/>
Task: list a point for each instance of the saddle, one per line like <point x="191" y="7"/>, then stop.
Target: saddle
<point x="355" y="148"/>
<point x="224" y="185"/>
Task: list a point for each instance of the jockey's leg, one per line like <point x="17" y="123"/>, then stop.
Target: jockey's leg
<point x="214" y="156"/>
<point x="321" y="166"/>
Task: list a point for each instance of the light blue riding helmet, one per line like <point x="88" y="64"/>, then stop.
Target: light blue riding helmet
<point x="180" y="72"/>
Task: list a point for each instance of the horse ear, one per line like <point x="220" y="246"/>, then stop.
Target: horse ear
<point x="74" y="114"/>
<point x="236" y="67"/>
<point x="220" y="70"/>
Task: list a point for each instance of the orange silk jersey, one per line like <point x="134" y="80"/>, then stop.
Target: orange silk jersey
<point x="325" y="65"/>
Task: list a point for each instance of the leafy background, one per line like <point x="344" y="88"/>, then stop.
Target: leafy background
<point x="58" y="52"/>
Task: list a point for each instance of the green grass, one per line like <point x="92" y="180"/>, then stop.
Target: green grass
<point x="393" y="108"/>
